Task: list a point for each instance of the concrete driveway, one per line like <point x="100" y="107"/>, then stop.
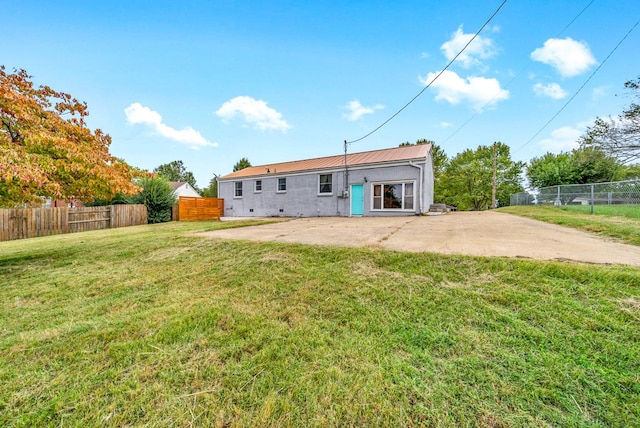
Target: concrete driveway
<point x="486" y="233"/>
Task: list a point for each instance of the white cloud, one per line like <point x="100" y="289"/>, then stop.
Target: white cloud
<point x="137" y="114"/>
<point x="552" y="90"/>
<point x="562" y="139"/>
<point x="446" y="124"/>
<point x="569" y="57"/>
<point x="599" y="92"/>
<point x="357" y="110"/>
<point x="481" y="48"/>
<point x="477" y="91"/>
<point x="255" y="112"/>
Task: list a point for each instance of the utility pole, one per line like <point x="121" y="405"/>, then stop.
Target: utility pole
<point x="346" y="168"/>
<point x="493" y="189"/>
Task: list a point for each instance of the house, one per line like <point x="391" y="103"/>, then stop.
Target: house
<point x="182" y="188"/>
<point x="387" y="182"/>
<point x="56" y="203"/>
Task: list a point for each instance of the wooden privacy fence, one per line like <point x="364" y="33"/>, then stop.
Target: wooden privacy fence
<point x="194" y="209"/>
<point x="33" y="222"/>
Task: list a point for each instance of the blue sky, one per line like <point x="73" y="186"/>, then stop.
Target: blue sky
<point x="210" y="82"/>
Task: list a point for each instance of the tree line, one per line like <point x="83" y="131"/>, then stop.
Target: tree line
<point x="46" y="150"/>
<point x="466" y="179"/>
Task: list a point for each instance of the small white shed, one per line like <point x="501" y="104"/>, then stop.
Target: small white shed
<point x="182" y="188"/>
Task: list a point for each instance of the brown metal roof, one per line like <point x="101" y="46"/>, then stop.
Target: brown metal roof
<point x="405" y="153"/>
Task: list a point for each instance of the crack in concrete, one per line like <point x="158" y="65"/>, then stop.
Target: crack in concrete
<point x="396" y="230"/>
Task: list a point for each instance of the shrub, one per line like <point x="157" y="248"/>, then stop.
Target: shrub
<point x="158" y="196"/>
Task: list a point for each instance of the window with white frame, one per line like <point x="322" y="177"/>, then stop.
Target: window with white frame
<point x="393" y="196"/>
<point x="238" y="189"/>
<point x="325" y="184"/>
<point x="257" y="186"/>
<point x="282" y="184"/>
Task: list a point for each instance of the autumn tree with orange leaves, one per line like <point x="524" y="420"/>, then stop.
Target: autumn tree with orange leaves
<point x="47" y="150"/>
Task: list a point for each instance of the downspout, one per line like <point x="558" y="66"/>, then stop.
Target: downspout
<point x="421" y="185"/>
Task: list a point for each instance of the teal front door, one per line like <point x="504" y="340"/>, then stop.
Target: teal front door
<point x="357" y="199"/>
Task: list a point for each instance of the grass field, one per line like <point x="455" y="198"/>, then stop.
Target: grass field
<point x="153" y="326"/>
<point x="621" y="222"/>
<point x="630" y="211"/>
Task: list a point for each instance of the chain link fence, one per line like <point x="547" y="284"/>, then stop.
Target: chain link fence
<point x="590" y="195"/>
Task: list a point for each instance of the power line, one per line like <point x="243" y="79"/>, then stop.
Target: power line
<point x="581" y="87"/>
<point x="473" y="116"/>
<point x="574" y="19"/>
<point x="434" y="79"/>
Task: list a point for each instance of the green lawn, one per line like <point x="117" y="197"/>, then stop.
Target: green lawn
<point x="631" y="211"/>
<point x="154" y="326"/>
<point x="621" y="222"/>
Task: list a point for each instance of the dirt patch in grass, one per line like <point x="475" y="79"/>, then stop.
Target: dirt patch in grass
<point x="631" y="305"/>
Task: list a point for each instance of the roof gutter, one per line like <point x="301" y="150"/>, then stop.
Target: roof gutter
<point x="420" y="186"/>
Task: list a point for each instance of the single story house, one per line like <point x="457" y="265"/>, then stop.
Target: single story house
<point x="387" y="182"/>
<point x="182" y="188"/>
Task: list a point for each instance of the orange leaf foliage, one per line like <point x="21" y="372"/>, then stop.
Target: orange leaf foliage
<point x="47" y="150"/>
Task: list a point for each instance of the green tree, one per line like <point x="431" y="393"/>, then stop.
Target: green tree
<point x="212" y="190"/>
<point x="176" y="171"/>
<point x="118" y="199"/>
<point x="586" y="164"/>
<point x="241" y="164"/>
<point x="417" y="143"/>
<point x="618" y="137"/>
<point x="440" y="161"/>
<point x="629" y="172"/>
<point x="551" y="170"/>
<point x="158" y="196"/>
<point x="593" y="165"/>
<point x="468" y="177"/>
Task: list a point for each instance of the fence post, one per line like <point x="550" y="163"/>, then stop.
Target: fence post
<point x="592" y="198"/>
<point x="111" y="212"/>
